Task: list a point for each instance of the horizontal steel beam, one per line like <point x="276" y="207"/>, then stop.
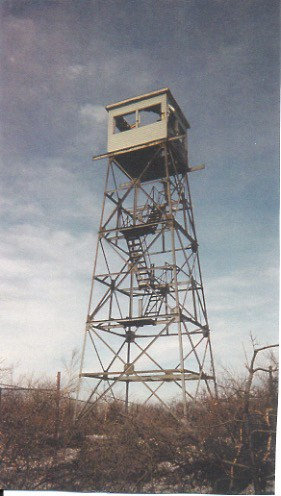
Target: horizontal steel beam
<point x="165" y="377"/>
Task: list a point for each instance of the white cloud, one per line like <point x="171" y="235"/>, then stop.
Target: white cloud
<point x="74" y="71"/>
<point x="51" y="191"/>
<point x="239" y="304"/>
<point x="44" y="291"/>
<point x="92" y="114"/>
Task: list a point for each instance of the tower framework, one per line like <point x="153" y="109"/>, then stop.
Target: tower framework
<point x="147" y="335"/>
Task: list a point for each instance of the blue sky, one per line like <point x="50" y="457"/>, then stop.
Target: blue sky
<point x="62" y="62"/>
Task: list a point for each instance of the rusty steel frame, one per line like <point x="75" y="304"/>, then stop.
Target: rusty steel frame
<point x="150" y="219"/>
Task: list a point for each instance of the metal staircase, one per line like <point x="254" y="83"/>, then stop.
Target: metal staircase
<point x="144" y="274"/>
<point x="154" y="304"/>
<point x="132" y="234"/>
<point x="154" y="218"/>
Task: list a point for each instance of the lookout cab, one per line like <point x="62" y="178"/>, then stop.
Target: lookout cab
<point x="137" y="129"/>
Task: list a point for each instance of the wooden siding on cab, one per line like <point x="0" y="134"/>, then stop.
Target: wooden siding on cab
<point x="139" y="135"/>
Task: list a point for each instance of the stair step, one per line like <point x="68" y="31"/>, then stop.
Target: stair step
<point x="134" y="246"/>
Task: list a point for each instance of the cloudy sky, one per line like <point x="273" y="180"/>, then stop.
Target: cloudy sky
<point x="62" y="62"/>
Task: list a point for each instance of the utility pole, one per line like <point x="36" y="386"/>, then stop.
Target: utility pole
<point x="57" y="407"/>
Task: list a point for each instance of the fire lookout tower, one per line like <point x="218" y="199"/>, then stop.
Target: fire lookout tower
<point x="147" y="335"/>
